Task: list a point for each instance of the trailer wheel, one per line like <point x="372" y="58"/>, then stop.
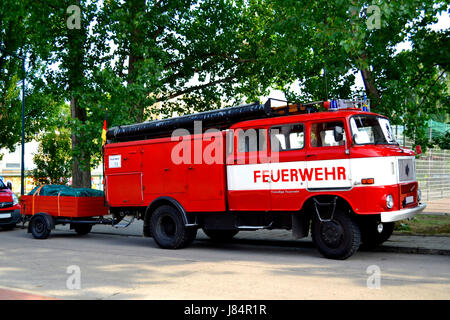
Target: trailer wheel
<point x="168" y="228"/>
<point x="39" y="227"/>
<point x="371" y="238"/>
<point x="82" y="228"/>
<point x="220" y="235"/>
<point x="336" y="239"/>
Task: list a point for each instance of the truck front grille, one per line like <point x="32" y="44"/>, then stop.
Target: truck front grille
<point x="406" y="170"/>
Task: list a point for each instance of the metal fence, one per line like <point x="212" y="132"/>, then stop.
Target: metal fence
<point x="433" y="174"/>
<point x="432" y="169"/>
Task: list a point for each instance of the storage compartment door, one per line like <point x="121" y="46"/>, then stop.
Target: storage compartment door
<point x="124" y="189"/>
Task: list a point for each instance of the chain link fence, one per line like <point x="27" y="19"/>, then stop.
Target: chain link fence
<point x="432" y="168"/>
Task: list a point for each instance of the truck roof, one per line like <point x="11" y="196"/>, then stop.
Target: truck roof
<point x="302" y="118"/>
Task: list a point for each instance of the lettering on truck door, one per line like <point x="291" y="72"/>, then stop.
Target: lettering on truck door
<point x="327" y="162"/>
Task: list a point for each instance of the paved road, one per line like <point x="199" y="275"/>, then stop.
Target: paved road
<point x="129" y="267"/>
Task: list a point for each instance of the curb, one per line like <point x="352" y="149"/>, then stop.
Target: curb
<point x="442" y="252"/>
<point x="309" y="244"/>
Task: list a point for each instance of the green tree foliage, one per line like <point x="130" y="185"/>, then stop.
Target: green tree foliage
<point x="145" y="58"/>
<point x="16" y="38"/>
<point x="54" y="157"/>
<point x="64" y="43"/>
<point x="53" y="160"/>
<point x="134" y="58"/>
<point x="443" y="141"/>
<point x="193" y="51"/>
<point x="306" y="40"/>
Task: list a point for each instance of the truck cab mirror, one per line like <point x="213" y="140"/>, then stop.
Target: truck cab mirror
<point x="9" y="185"/>
<point x="338" y="133"/>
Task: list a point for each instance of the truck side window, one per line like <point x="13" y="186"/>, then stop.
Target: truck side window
<point x="322" y="134"/>
<point x="287" y="137"/>
<point x="251" y="140"/>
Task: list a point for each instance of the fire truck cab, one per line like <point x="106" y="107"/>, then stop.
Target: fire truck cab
<point x="338" y="175"/>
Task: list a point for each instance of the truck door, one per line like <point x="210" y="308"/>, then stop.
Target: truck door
<point x="206" y="174"/>
<point x="327" y="159"/>
<point x="287" y="149"/>
<point x="248" y="176"/>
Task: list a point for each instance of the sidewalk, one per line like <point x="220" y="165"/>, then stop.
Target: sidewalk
<point x="438" y="207"/>
<point x="439" y="245"/>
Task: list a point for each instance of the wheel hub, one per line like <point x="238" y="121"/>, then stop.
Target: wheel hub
<point x="332" y="233"/>
<point x="39" y="227"/>
<point x="168" y="226"/>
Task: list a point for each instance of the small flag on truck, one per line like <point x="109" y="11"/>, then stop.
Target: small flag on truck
<point x="104" y="131"/>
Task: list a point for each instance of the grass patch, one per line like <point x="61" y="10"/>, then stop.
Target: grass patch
<point x="424" y="224"/>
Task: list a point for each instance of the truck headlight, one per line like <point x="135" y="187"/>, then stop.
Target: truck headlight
<point x="389" y="201"/>
<point x="15" y="199"/>
<point x="419" y="195"/>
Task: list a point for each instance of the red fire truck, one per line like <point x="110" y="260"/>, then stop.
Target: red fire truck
<point x="337" y="174"/>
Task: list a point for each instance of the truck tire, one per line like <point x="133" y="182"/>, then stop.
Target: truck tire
<point x="220" y="235"/>
<point x="39" y="227"/>
<point x="336" y="239"/>
<point x="371" y="238"/>
<point x="168" y="228"/>
<point x="82" y="228"/>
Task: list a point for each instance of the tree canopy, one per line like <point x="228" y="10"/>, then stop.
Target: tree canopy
<point x="141" y="59"/>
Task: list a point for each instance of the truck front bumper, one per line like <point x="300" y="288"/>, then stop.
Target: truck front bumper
<point x="391" y="216"/>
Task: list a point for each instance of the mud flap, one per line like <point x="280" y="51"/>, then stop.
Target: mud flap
<point x="300" y="225"/>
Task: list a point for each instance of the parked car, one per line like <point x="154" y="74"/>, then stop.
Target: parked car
<point x="9" y="207"/>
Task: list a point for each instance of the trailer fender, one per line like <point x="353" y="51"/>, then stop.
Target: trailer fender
<point x="164" y="201"/>
<point x="49" y="218"/>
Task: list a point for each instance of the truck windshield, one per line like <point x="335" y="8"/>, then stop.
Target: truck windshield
<point x="2" y="185"/>
<point x="368" y="129"/>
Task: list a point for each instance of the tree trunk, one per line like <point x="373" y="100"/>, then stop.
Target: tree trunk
<point x="135" y="55"/>
<point x="81" y="177"/>
<point x="81" y="171"/>
<point x="371" y="90"/>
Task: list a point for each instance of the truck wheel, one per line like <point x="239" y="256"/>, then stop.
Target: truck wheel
<point x="168" y="229"/>
<point x="39" y="227"/>
<point x="371" y="238"/>
<point x="82" y="228"/>
<point x="338" y="238"/>
<point x="220" y="235"/>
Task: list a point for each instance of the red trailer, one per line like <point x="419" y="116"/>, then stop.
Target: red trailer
<point x="44" y="212"/>
<point x="257" y="167"/>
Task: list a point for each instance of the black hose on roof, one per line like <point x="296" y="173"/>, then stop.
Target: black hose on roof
<point x="220" y="119"/>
